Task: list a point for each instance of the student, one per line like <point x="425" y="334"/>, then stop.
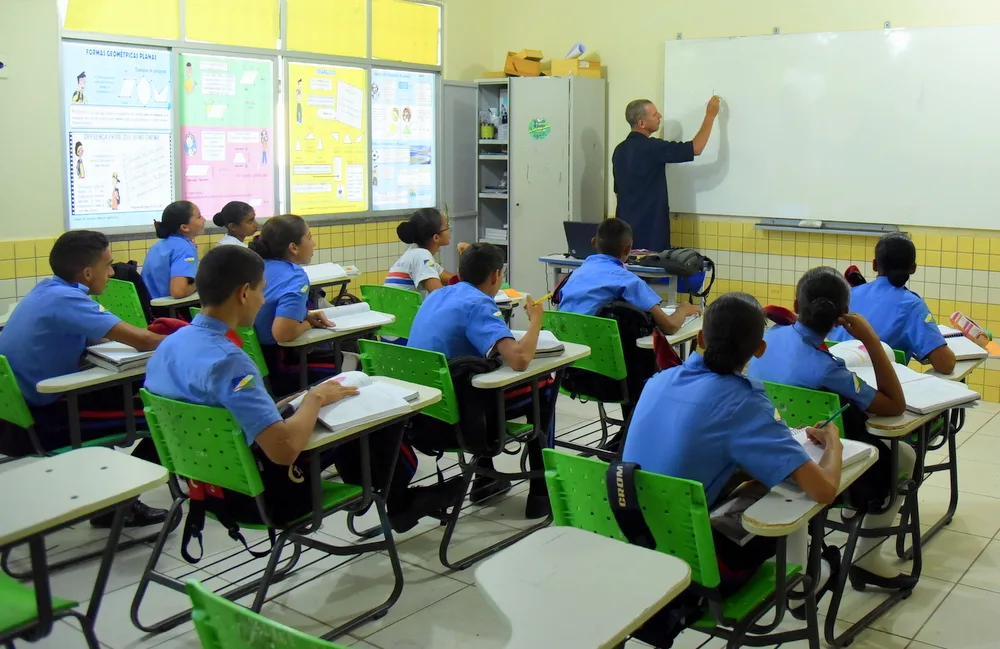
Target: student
<point x="171" y="263"/>
<point x="603" y="278"/>
<point x="199" y="365"/>
<point x="797" y="355"/>
<point x="899" y="316"/>
<point x="47" y="336"/>
<point x="286" y="245"/>
<point x="240" y="221"/>
<point x="463" y="320"/>
<point x="426" y="232"/>
<point x="704" y="421"/>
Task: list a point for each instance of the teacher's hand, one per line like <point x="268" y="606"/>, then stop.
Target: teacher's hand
<point x="713" y="106"/>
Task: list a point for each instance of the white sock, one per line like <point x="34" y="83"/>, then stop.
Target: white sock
<point x="868" y="555"/>
<point x="825" y="571"/>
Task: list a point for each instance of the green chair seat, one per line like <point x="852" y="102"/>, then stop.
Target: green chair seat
<point x="740" y="604"/>
<point x="514" y="428"/>
<point x="19" y="604"/>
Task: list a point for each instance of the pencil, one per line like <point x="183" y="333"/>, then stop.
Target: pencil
<point x="537" y="302"/>
<point x="834" y="416"/>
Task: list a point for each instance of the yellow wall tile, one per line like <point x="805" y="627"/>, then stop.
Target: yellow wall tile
<point x="934" y="258"/>
<point x="933" y="242"/>
<point x="25" y="267"/>
<point x="788" y="247"/>
<point x="966" y="244"/>
<point x="711" y="227"/>
<point x="42" y="266"/>
<point x="980" y="262"/>
<point x="7" y="269"/>
<point x="24" y="249"/>
<point x="725" y="227"/>
<point x="981" y="246"/>
<point x="949" y="243"/>
<point x="43" y="247"/>
<point x="6" y="250"/>
<point x="979" y="312"/>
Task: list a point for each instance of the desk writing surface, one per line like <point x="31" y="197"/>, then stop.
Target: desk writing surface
<point x="900" y="425"/>
<point x="505" y="376"/>
<point x="175" y="301"/>
<point x="6" y="316"/>
<point x="556" y="588"/>
<point x="428" y="396"/>
<point x="86" y="379"/>
<point x="571" y="262"/>
<point x="54" y="490"/>
<point x="962" y="370"/>
<point x="314" y="336"/>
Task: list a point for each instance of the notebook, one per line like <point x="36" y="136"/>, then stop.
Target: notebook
<point x="501" y="298"/>
<point x="323" y="272"/>
<point x="949" y="332"/>
<point x="965" y="349"/>
<point x="669" y="310"/>
<point x="355" y="316"/>
<point x="547" y="346"/>
<point x="853" y="451"/>
<point x="375" y="400"/>
<point x="727" y="517"/>
<point x="117" y="357"/>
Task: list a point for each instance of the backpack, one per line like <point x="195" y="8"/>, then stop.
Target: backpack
<point x="129" y="272"/>
<point x="683" y="263"/>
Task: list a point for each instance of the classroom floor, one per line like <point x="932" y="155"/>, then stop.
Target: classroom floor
<point x="951" y="608"/>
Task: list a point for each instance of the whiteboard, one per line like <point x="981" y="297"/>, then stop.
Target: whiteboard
<point x="890" y="126"/>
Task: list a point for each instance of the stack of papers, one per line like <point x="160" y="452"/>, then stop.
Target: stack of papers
<point x="117" y="357"/>
<point x="325" y="272"/>
<point x="356" y="316"/>
<point x="548" y="345"/>
<point x="375" y="400"/>
<point x="963" y="348"/>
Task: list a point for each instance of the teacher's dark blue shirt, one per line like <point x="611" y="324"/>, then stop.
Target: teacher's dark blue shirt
<point x="641" y="186"/>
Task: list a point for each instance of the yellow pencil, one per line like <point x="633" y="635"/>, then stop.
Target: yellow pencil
<point x="537" y="302"/>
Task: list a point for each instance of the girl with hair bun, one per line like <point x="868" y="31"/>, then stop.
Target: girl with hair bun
<point x="427" y="231"/>
<point x="172" y="263"/>
<point x="797" y="355"/>
<point x="240" y="221"/>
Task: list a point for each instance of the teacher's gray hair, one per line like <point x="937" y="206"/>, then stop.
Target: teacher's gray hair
<point x="636" y="110"/>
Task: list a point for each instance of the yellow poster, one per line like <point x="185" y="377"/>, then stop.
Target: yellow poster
<point x="327" y="139"/>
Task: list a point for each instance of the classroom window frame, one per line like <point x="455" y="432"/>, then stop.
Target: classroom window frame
<point x="280" y="58"/>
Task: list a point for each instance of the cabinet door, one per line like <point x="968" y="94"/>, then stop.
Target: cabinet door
<point x="539" y="177"/>
<point x="459" y="128"/>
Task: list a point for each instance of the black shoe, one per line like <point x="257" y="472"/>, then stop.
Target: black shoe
<point x="406" y="512"/>
<point x="139" y="515"/>
<point x="830" y="555"/>
<point x="861" y="578"/>
<point x="538" y="506"/>
<point x="485" y="488"/>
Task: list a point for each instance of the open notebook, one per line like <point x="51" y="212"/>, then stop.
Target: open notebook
<point x="117" y="357"/>
<point x="853" y="451"/>
<point x="375" y="400"/>
<point x="669" y="310"/>
<point x="324" y="272"/>
<point x="963" y="348"/>
<point x="924" y="393"/>
<point x="548" y="345"/>
<point x="355" y="316"/>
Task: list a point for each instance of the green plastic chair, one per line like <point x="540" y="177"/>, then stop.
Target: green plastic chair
<point x="431" y="369"/>
<point x="898" y="355"/>
<point x="121" y="299"/>
<point x="607" y="359"/>
<point x="251" y="345"/>
<point x="801" y="407"/>
<point x="677" y="515"/>
<point x="400" y="302"/>
<point x="25" y="616"/>
<point x="205" y="444"/>
<point x="222" y="624"/>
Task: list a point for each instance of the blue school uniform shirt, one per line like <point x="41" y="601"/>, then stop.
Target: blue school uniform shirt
<point x="458" y="320"/>
<point x="601" y="280"/>
<point x="48" y="333"/>
<point x="286" y="295"/>
<point x="797" y="355"/>
<point x="175" y="256"/>
<point x="899" y="316"/>
<point x="197" y="364"/>
<point x="695" y="424"/>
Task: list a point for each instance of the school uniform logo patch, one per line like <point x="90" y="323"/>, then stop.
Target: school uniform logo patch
<point x="857" y="384"/>
<point x="497" y="314"/>
<point x="777" y="415"/>
<point x="304" y="289"/>
<point x="428" y="262"/>
<point x="929" y="319"/>
<point x="247" y="381"/>
<point x="189" y="260"/>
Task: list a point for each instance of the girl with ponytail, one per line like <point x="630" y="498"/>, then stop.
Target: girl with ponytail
<point x="172" y="263"/>
<point x="797" y="355"/>
<point x="240" y="221"/>
<point x="427" y="231"/>
<point x="898" y="315"/>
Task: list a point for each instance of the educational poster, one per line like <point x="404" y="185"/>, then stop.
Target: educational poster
<point x="327" y="139"/>
<point x="227" y="129"/>
<point x="403" y="151"/>
<point x="118" y="123"/>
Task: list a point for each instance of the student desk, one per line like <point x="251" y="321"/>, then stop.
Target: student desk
<point x="321" y="275"/>
<point x="556" y="588"/>
<point x="685" y="334"/>
<point x="315" y="337"/>
<point x="561" y="264"/>
<point x="172" y="304"/>
<point x="962" y="370"/>
<point x="505" y="377"/>
<point x="64" y="490"/>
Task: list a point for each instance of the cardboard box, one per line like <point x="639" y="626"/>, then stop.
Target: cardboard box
<point x="567" y="67"/>
<point x="526" y="63"/>
<point x="494" y="74"/>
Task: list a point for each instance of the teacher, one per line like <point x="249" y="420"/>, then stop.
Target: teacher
<point x="640" y="175"/>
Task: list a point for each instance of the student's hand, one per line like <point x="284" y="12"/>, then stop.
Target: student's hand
<point x="689" y="309"/>
<point x="318" y="320"/>
<point x="858" y="327"/>
<point x="533" y="310"/>
<point x="713" y="106"/>
<point x="825" y="436"/>
<point x="332" y="392"/>
<point x="462" y="247"/>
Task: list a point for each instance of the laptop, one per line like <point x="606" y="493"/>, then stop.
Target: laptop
<point x="579" y="238"/>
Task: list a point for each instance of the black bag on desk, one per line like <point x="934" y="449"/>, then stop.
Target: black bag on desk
<point x="682" y="262"/>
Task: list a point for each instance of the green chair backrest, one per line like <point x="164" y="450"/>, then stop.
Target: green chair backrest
<point x="400" y="302"/>
<point x="251" y="344"/>
<point x="675" y="510"/>
<point x="202" y="443"/>
<point x="600" y="334"/>
<point x="801" y="407"/>
<point x="121" y="299"/>
<point x="416" y="366"/>
<point x="13" y="407"/>
<point x="222" y="624"/>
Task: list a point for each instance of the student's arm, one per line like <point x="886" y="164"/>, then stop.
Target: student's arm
<point x="517" y="354"/>
<point x="286" y="330"/>
<point x="700" y="140"/>
<point x="283" y="440"/>
<point x="889" y="400"/>
<point x="183" y="268"/>
<point x="924" y="340"/>
<point x="639" y="294"/>
<point x="291" y="318"/>
<point x="142" y="339"/>
<point x="670" y="324"/>
<point x="433" y="284"/>
<point x="821" y="482"/>
<point x="943" y="359"/>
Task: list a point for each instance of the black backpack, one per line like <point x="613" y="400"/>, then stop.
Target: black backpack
<point x="682" y="262"/>
<point x="129" y="272"/>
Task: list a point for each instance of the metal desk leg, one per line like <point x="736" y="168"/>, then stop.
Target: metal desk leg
<point x="109" y="556"/>
<point x="75" y="435"/>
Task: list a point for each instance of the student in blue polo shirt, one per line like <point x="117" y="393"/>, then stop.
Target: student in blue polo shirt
<point x="898" y="315"/>
<point x="172" y="262"/>
<point x="463" y="320"/>
<point x="706" y="422"/>
<point x="199" y="365"/>
<point x="286" y="245"/>
<point x="47" y="336"/>
<point x="797" y="355"/>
